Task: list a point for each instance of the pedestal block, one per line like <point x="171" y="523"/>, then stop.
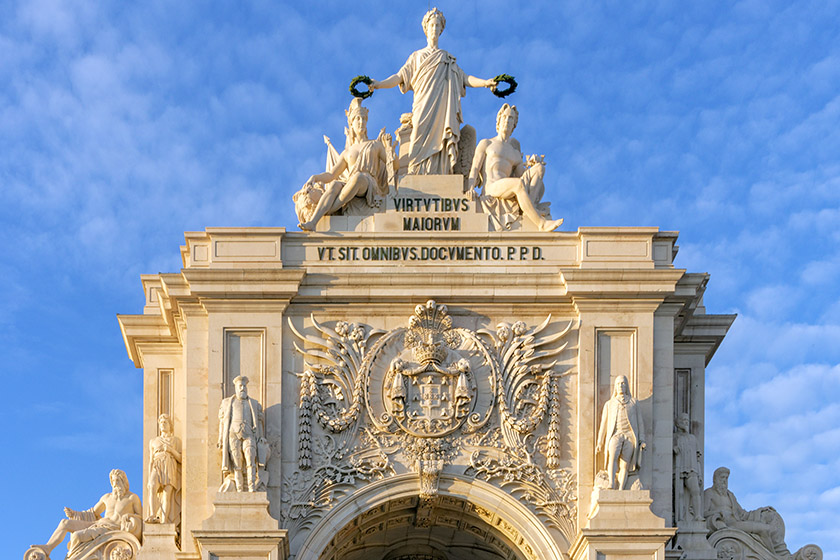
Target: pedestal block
<point x="622" y="527"/>
<point x="241" y="527"/>
<point x="691" y="539"/>
<point x="431" y="203"/>
<point x="158" y="542"/>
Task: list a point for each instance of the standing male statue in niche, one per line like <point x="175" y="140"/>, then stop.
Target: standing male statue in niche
<point x="687" y="457"/>
<point x="438" y="84"/>
<point x="498" y="166"/>
<point x="240" y="438"/>
<point x="622" y="434"/>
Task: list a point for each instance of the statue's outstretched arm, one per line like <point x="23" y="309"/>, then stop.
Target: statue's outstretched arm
<point x="387" y="83"/>
<point x="472" y="81"/>
<point x="84" y="515"/>
<point x="91" y="514"/>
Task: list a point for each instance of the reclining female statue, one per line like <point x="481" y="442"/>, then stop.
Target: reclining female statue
<point x="360" y="170"/>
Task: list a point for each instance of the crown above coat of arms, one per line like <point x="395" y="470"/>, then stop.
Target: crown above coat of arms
<point x="430" y="332"/>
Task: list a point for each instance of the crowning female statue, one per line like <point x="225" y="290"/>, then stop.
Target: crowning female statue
<point x="438" y="84"/>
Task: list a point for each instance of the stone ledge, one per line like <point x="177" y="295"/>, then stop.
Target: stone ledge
<point x="241" y="526"/>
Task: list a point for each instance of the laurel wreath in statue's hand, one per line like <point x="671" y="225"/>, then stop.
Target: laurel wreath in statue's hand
<point x="361" y="80"/>
<point x="506" y="79"/>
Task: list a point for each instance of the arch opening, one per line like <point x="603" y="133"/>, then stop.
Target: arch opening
<point x="440" y="528"/>
<point x="467" y="520"/>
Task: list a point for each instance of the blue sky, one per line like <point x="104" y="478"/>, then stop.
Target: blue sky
<point x="122" y="125"/>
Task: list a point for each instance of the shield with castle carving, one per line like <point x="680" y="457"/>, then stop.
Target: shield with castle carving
<point x="431" y="379"/>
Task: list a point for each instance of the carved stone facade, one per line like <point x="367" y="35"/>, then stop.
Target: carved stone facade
<point x="419" y="406"/>
<point x="430" y="372"/>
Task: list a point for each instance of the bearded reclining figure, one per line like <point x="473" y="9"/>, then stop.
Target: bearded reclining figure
<point x="120" y="526"/>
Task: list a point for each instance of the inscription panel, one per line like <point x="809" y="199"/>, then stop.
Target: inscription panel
<point x="450" y="250"/>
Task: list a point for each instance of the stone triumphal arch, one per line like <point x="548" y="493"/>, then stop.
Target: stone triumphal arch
<point x="427" y="370"/>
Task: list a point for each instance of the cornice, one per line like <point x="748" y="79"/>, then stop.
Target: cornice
<point x="140" y="330"/>
<point x="621" y="283"/>
<point x="260" y="283"/>
<point x="704" y="332"/>
<point x="465" y="286"/>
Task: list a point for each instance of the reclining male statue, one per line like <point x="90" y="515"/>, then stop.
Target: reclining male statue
<point x="728" y="521"/>
<point x="498" y="165"/>
<point x="90" y="528"/>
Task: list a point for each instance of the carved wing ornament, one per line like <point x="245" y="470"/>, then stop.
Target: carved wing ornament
<point x="526" y="379"/>
<point x="427" y="396"/>
<point x="343" y="350"/>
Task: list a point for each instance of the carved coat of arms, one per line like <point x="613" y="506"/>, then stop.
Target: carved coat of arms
<point x="430" y="388"/>
<point x="427" y="393"/>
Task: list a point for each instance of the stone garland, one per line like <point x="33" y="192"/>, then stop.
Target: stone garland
<point x="552" y="454"/>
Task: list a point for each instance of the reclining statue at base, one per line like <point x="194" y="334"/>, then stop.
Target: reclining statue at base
<point x="94" y="536"/>
<point x="738" y="534"/>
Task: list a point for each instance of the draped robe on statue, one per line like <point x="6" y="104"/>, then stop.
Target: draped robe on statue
<point x="438" y="84"/>
<point x="368" y="163"/>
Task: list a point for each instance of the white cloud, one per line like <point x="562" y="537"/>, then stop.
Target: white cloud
<point x="59" y="20"/>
